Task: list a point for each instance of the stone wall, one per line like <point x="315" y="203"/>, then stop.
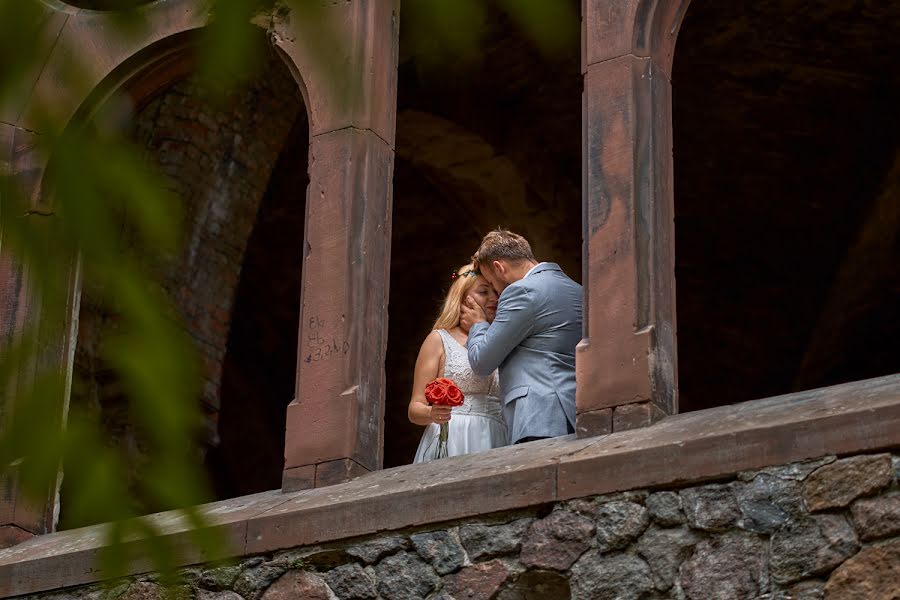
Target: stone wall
<point x="825" y="528"/>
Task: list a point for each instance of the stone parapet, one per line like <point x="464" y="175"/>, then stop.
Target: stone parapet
<point x="773" y="488"/>
<point x="750" y="536"/>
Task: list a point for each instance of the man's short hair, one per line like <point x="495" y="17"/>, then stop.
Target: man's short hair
<point x="501" y="244"/>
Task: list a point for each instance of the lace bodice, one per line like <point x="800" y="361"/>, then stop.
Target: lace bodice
<point x="481" y="392"/>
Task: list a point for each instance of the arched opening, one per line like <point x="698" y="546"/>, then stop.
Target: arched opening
<point x="239" y="167"/>
<point x="787" y="197"/>
<point x="497" y="143"/>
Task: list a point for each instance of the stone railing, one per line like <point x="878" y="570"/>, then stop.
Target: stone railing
<point x="822" y="528"/>
<point x="787" y="497"/>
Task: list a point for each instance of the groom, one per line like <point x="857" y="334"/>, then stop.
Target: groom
<point x="532" y="339"/>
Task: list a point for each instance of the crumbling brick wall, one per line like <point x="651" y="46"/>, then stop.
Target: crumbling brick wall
<point x="218" y="158"/>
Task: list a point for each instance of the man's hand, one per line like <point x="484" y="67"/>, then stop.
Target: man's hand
<point x="470" y="313"/>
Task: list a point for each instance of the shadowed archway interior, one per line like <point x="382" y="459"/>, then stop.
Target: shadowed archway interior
<point x="240" y="168"/>
<point x="787" y="196"/>
<point x="481" y="145"/>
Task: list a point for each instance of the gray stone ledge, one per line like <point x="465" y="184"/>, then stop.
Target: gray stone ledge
<point x="680" y="450"/>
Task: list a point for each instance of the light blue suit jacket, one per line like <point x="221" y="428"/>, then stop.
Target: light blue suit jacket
<point x="532" y="341"/>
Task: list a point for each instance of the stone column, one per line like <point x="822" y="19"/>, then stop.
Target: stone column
<point x="44" y="318"/>
<point x="335" y="423"/>
<point x="626" y="363"/>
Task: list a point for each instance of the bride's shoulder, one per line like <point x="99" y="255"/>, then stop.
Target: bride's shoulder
<point x="433" y="340"/>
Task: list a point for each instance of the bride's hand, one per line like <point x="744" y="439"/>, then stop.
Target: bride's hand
<point x="440" y="414"/>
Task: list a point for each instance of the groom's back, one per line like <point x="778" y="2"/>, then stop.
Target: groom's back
<point x="538" y="376"/>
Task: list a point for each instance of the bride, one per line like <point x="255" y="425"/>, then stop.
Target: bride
<point x="478" y="424"/>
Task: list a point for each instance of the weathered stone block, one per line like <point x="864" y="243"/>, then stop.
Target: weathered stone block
<point x="811" y="546"/>
<point x="665" y="508"/>
<point x="876" y="518"/>
<point x="298" y="584"/>
<point x="404" y="576"/>
<point x="632" y="416"/>
<point x="478" y="581"/>
<point x="223" y="595"/>
<point x="665" y="550"/>
<point x="872" y="574"/>
<point x="144" y="590"/>
<point x="838" y="484"/>
<point x="488" y="541"/>
<point x="556" y="541"/>
<point x="536" y="585"/>
<point x="726" y="567"/>
<point x="812" y="589"/>
<point x="219" y="578"/>
<point x="710" y="507"/>
<point x="253" y="581"/>
<point x="351" y="582"/>
<point x="619" y="524"/>
<point x="440" y="549"/>
<point x="372" y="551"/>
<point x="610" y="577"/>
<point x="798" y="471"/>
<point x="767" y="502"/>
<point x="594" y="422"/>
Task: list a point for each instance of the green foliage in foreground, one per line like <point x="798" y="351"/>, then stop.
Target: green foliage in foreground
<point x="97" y="185"/>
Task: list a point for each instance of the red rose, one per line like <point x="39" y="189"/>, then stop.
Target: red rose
<point x="443" y="392"/>
<point x="436" y="392"/>
<point x="454" y="396"/>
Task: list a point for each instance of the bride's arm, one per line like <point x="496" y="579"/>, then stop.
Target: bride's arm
<point x="427" y="369"/>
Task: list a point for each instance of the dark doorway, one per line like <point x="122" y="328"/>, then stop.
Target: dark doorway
<point x="787" y="196"/>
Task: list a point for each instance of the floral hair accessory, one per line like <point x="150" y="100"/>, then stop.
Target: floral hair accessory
<point x="455" y="275"/>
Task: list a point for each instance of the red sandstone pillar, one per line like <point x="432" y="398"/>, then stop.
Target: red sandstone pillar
<point x="335" y="423"/>
<point x="23" y="312"/>
<point x="626" y="363"/>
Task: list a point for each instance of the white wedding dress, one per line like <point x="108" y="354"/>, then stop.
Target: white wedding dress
<point x="477" y="424"/>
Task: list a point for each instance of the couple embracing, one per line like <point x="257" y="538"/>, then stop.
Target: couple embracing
<point x="507" y="314"/>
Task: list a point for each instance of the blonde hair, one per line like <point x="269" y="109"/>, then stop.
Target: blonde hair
<point x="502" y="244"/>
<point x="465" y="280"/>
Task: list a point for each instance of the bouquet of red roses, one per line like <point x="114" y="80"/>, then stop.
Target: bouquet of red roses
<point x="443" y="392"/>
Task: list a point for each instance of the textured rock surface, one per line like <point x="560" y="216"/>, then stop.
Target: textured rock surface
<point x="711" y="507"/>
<point x="478" y="581"/>
<point x="219" y="578"/>
<point x="619" y="524"/>
<point x="726" y="567"/>
<point x="811" y="546"/>
<point x="665" y="508"/>
<point x="298" y="584"/>
<point x="872" y="574"/>
<point x="372" y="551"/>
<point x="617" y="577"/>
<point x="253" y="581"/>
<point x="538" y="585"/>
<point x="404" y="576"/>
<point x="440" y="549"/>
<point x="767" y="502"/>
<point x="556" y="541"/>
<point x="488" y="541"/>
<point x="840" y="483"/>
<point x="876" y="518"/>
<point x="351" y="582"/>
<point x="665" y="550"/>
<point x="812" y="589"/>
